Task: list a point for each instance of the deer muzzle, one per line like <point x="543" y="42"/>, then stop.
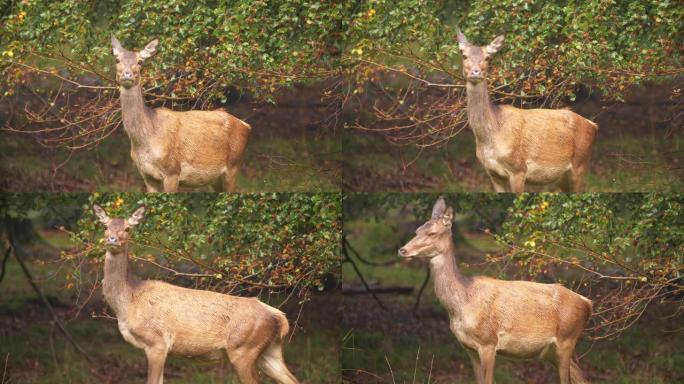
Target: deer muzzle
<point x="404" y="253"/>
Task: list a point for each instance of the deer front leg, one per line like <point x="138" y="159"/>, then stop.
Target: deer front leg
<point x="150" y="184"/>
<point x="477" y="365"/>
<point x="487" y="358"/>
<point x="156" y="357"/>
<point x="171" y="183"/>
<point x="500" y="184"/>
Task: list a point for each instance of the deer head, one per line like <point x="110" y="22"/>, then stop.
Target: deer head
<point x="432" y="238"/>
<point x="116" y="229"/>
<point x="475" y="58"/>
<point x="128" y="63"/>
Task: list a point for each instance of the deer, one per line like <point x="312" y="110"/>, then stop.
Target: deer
<point x="171" y="148"/>
<point x="516" y="146"/>
<point x="519" y="319"/>
<point x="162" y="318"/>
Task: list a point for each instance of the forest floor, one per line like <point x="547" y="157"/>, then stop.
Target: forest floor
<point x="293" y="147"/>
<point x="639" y="148"/>
<point x="400" y="346"/>
<point x="32" y="349"/>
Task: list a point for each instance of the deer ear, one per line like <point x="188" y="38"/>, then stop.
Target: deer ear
<point x="101" y="214"/>
<point x="116" y="47"/>
<point x="438" y="208"/>
<point x="150" y="49"/>
<point x="447" y="217"/>
<point x="137" y="216"/>
<point x="462" y="41"/>
<point x="495" y="45"/>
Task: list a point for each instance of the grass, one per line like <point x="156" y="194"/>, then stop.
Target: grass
<point x="400" y="347"/>
<point x="36" y="352"/>
<point x="274" y="161"/>
<point x="622" y="162"/>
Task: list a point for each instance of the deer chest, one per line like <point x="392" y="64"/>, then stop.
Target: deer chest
<point x="494" y="159"/>
<point x="465" y="334"/>
<point x="149" y="163"/>
<point x="127" y="335"/>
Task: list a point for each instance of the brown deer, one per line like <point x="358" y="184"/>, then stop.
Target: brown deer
<point x="170" y="148"/>
<point x="489" y="316"/>
<point x="161" y="318"/>
<point x="523" y="146"/>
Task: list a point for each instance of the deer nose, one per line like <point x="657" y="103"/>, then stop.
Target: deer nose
<point x="402" y="252"/>
<point x="475" y="72"/>
<point x="112" y="240"/>
<point x="127" y="75"/>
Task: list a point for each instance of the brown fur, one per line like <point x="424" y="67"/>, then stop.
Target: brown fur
<point x="170" y="148"/>
<point x="161" y="318"/>
<point x="523" y="146"/>
<point x="488" y="316"/>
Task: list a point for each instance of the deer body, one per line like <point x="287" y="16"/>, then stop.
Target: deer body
<point x="523" y="146"/>
<point x="170" y="148"/>
<point x="161" y="318"/>
<point x="488" y="316"/>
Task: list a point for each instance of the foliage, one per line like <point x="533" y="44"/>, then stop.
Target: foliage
<point x="205" y="45"/>
<point x="550" y="45"/>
<point x="377" y="204"/>
<point x="553" y="51"/>
<point x="276" y="241"/>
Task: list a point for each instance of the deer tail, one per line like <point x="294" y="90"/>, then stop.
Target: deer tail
<point x="249" y="127"/>
<point x="284" y="325"/>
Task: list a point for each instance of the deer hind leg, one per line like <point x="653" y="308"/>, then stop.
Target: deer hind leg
<point x="577" y="178"/>
<point x="244" y="361"/>
<point x="273" y="364"/>
<point x="156" y="357"/>
<point x="564" y="352"/>
<point x="565" y="183"/>
<point x="230" y="177"/>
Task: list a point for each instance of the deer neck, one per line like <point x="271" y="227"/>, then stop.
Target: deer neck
<point x="451" y="286"/>
<point x="135" y="115"/>
<point x="481" y="112"/>
<point x="117" y="287"/>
